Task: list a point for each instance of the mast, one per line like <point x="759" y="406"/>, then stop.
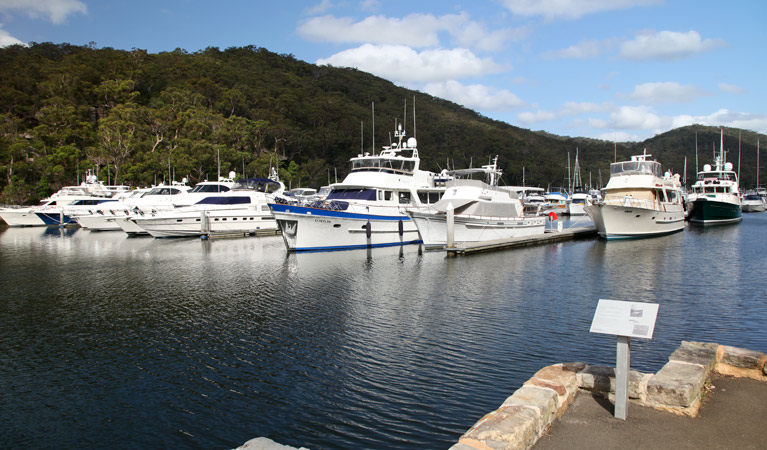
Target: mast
<point x="757" y="163"/>
<point x="739" y="155"/>
<point x="414" y="117"/>
<point x="696" y="152"/>
<point x="374" y="127"/>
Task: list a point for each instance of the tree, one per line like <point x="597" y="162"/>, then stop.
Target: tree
<point x="119" y="133"/>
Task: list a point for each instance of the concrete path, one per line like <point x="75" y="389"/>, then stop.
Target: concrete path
<point x="733" y="416"/>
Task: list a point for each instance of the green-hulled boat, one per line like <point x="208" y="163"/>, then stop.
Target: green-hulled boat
<point x="715" y="196"/>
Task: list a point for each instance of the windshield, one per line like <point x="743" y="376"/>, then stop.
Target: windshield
<point x="352" y="194"/>
<point x="636" y="167"/>
<point x="210" y="188"/>
<point x="258" y="185"/>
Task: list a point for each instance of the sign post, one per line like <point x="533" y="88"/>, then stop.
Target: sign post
<point x="624" y="320"/>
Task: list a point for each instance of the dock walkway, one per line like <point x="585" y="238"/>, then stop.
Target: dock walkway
<point x="551" y="236"/>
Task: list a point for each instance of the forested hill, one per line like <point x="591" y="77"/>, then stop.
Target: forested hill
<point x="137" y="118"/>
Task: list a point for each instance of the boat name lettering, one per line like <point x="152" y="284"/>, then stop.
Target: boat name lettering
<point x="322" y="221"/>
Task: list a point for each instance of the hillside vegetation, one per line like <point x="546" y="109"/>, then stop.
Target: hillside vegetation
<point x="139" y="119"/>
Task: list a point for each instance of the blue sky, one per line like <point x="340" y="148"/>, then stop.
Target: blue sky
<point x="609" y="69"/>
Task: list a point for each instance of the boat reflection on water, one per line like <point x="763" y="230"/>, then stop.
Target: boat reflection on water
<point x="207" y="344"/>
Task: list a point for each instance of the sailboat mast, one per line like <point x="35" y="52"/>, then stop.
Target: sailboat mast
<point x="739" y="155"/>
<point x="696" y="152"/>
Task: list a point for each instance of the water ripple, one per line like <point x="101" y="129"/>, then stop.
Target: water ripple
<point x="208" y="344"/>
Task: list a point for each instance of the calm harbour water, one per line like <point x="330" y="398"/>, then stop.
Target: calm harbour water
<point x="111" y="342"/>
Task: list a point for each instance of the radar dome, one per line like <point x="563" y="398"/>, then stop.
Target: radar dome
<point x="232" y="174"/>
<point x="412" y="143"/>
<point x="707" y="168"/>
<point x="728" y="166"/>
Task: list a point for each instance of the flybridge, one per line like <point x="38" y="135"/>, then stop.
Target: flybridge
<point x="398" y="158"/>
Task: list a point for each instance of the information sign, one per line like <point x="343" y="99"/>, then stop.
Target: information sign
<point x="631" y="319"/>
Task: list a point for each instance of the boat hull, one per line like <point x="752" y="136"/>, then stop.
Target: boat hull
<point x="210" y="224"/>
<point x="433" y="228"/>
<point x="55" y="218"/>
<point x="753" y="207"/>
<point x="576" y="209"/>
<point x="711" y="212"/>
<point x="21" y="217"/>
<point x="98" y="222"/>
<point x="630" y="222"/>
<point x="315" y="229"/>
<point x="128" y="225"/>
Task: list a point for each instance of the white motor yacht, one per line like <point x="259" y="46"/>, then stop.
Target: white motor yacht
<point x="242" y="210"/>
<point x="367" y="208"/>
<point x="479" y="210"/>
<point x="752" y="202"/>
<point x="57" y="209"/>
<point x="158" y="199"/>
<point x="638" y="201"/>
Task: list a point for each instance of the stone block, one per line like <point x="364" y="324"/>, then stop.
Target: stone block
<point x="601" y="380"/>
<point x="460" y="446"/>
<point x="676" y="385"/>
<point x="542" y="400"/>
<point x="262" y="443"/>
<point x="700" y="353"/>
<point x="508" y="427"/>
<point x="560" y="378"/>
<point x="742" y="358"/>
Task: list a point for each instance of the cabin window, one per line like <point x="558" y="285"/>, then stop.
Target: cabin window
<point x="404" y="198"/>
<point x="352" y="194"/>
<point x="387" y="195"/>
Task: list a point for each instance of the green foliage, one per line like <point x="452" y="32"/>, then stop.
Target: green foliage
<point x="129" y="115"/>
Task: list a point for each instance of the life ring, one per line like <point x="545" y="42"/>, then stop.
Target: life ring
<point x="552" y="216"/>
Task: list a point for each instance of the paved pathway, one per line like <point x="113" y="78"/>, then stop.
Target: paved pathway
<point x="733" y="416"/>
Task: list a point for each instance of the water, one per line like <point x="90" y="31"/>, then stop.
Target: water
<point x="110" y="342"/>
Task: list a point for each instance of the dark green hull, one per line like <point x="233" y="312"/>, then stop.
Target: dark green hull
<point x="710" y="212"/>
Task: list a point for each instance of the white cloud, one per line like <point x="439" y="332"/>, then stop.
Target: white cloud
<point x="575" y="108"/>
<point x="400" y="63"/>
<point x="475" y="96"/>
<point x="567" y="110"/>
<point x="56" y="11"/>
<point x="731" y="88"/>
<point x="6" y="39"/>
<point x="415" y="30"/>
<point x="665" y="92"/>
<point x="667" y="45"/>
<point x="584" y="49"/>
<point x="529" y="118"/>
<point x="370" y="5"/>
<point x="323" y="6"/>
<point x="569" y="9"/>
<point x="636" y="117"/>
<point x="724" y="117"/>
<point x="619" y="136"/>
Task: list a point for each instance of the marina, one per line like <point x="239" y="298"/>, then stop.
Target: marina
<point x="146" y="343"/>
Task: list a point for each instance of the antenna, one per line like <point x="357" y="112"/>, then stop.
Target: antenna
<point x="404" y="118"/>
<point x="374" y="128"/>
<point x="362" y="137"/>
<point x="414" y="117"/>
